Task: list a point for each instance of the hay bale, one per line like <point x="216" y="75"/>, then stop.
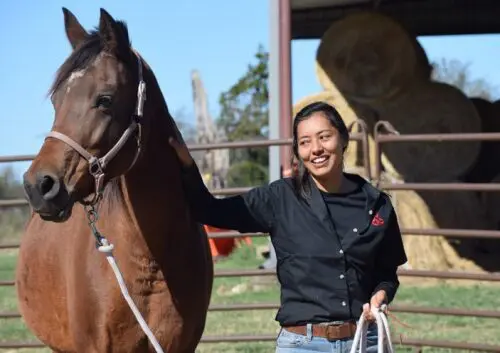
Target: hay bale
<point x="491" y="203"/>
<point x="487" y="164"/>
<point x="427" y="108"/>
<point x="429" y="252"/>
<point x="349" y="112"/>
<point x="370" y="56"/>
<point x="490" y="248"/>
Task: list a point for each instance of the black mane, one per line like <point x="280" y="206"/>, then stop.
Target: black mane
<point x="85" y="54"/>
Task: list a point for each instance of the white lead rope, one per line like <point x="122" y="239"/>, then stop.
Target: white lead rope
<point x="384" y="336"/>
<point x="107" y="249"/>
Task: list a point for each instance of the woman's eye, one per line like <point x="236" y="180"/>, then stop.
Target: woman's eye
<point x="104" y="102"/>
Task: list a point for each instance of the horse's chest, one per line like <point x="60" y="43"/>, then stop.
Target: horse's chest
<point x="152" y="298"/>
<point x="148" y="279"/>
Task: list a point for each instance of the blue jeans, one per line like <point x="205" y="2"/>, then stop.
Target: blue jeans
<point x="289" y="342"/>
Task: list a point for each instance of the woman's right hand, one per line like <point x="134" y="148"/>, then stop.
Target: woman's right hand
<point x="182" y="152"/>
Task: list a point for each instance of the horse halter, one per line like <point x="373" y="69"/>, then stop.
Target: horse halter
<point x="97" y="165"/>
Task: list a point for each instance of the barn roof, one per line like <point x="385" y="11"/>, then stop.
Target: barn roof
<point x="310" y="18"/>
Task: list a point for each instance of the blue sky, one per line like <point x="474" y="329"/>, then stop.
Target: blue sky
<point x="216" y="37"/>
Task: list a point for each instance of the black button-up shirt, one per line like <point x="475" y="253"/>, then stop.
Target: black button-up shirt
<point x="333" y="251"/>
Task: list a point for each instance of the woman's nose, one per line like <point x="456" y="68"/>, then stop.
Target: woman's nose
<point x="317" y="147"/>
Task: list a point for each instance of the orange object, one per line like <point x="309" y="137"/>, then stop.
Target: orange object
<point x="223" y="246"/>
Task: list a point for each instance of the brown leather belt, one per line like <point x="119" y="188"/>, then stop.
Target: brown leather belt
<point x="331" y="332"/>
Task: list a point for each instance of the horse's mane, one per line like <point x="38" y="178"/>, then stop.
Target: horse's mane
<point x="84" y="55"/>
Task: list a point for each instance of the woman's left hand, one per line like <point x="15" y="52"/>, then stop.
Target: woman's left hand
<point x="376" y="301"/>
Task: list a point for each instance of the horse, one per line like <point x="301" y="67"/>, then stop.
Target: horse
<point x="106" y="175"/>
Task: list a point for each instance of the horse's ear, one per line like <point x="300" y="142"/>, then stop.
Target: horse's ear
<point x="114" y="37"/>
<point x="74" y="30"/>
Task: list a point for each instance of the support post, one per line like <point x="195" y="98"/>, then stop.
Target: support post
<point x="274" y="90"/>
<point x="280" y="102"/>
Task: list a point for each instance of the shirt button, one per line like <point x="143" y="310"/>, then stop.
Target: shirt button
<point x="341" y="251"/>
<point x="355" y="230"/>
<point x="341" y="276"/>
<point x="343" y="304"/>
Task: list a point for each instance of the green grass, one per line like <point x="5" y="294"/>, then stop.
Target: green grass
<point x="265" y="290"/>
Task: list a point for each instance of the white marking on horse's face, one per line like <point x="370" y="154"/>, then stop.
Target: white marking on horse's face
<point x="73" y="77"/>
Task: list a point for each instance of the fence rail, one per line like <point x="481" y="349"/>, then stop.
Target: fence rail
<point x="447" y="233"/>
<point x="487" y="277"/>
<point x="390" y="136"/>
<point x="491" y="314"/>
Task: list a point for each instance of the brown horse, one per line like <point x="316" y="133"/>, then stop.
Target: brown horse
<point x="68" y="294"/>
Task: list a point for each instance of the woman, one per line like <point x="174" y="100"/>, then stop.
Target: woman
<point x="336" y="237"/>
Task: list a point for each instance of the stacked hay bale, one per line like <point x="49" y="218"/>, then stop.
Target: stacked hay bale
<point x="486" y="169"/>
<point x="370" y="59"/>
<point x="371" y="68"/>
<point x="487" y="164"/>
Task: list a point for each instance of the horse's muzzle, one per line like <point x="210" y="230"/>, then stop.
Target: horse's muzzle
<point x="48" y="197"/>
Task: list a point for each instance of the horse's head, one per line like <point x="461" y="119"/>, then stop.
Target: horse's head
<point x="97" y="97"/>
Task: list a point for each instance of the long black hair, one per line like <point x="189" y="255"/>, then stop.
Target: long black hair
<point x="301" y="179"/>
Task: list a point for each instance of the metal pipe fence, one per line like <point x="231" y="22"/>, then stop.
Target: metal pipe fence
<point x="392" y="136"/>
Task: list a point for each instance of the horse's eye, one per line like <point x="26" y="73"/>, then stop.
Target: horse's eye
<point x="104" y="102"/>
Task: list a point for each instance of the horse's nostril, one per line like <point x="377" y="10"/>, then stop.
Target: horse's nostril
<point x="48" y="186"/>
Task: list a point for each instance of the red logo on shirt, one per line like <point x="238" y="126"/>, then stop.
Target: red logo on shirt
<point x="377" y="220"/>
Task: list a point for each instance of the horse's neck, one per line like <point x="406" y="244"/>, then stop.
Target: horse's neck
<point x="153" y="200"/>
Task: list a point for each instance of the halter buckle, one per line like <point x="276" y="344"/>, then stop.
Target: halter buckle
<point x="95" y="167"/>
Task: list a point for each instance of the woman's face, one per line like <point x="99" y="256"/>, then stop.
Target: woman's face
<point x="319" y="146"/>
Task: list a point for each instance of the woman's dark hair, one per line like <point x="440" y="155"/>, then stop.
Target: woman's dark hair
<point x="301" y="180"/>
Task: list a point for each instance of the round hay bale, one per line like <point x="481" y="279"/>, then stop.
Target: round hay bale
<point x="491" y="204"/>
<point x="370" y="56"/>
<point x="487" y="164"/>
<point x="490" y="201"/>
<point x="429" y="108"/>
<point x="349" y="112"/>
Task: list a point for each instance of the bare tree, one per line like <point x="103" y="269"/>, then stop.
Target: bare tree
<point x="187" y="129"/>
<point x="456" y="73"/>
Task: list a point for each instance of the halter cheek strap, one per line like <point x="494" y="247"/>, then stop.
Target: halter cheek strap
<point x="98" y="165"/>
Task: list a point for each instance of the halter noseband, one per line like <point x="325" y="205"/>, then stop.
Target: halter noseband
<point x="98" y="165"/>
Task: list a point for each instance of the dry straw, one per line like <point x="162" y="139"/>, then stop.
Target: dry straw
<point x="431" y="210"/>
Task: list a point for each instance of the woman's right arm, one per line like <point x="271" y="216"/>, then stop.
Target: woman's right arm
<point x="249" y="212"/>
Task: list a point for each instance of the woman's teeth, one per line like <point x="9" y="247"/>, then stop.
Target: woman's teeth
<point x="319" y="160"/>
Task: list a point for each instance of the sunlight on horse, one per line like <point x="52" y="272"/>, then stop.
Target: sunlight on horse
<point x="106" y="154"/>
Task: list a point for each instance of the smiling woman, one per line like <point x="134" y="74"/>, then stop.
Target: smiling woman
<point x="320" y="140"/>
<point x="336" y="237"/>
